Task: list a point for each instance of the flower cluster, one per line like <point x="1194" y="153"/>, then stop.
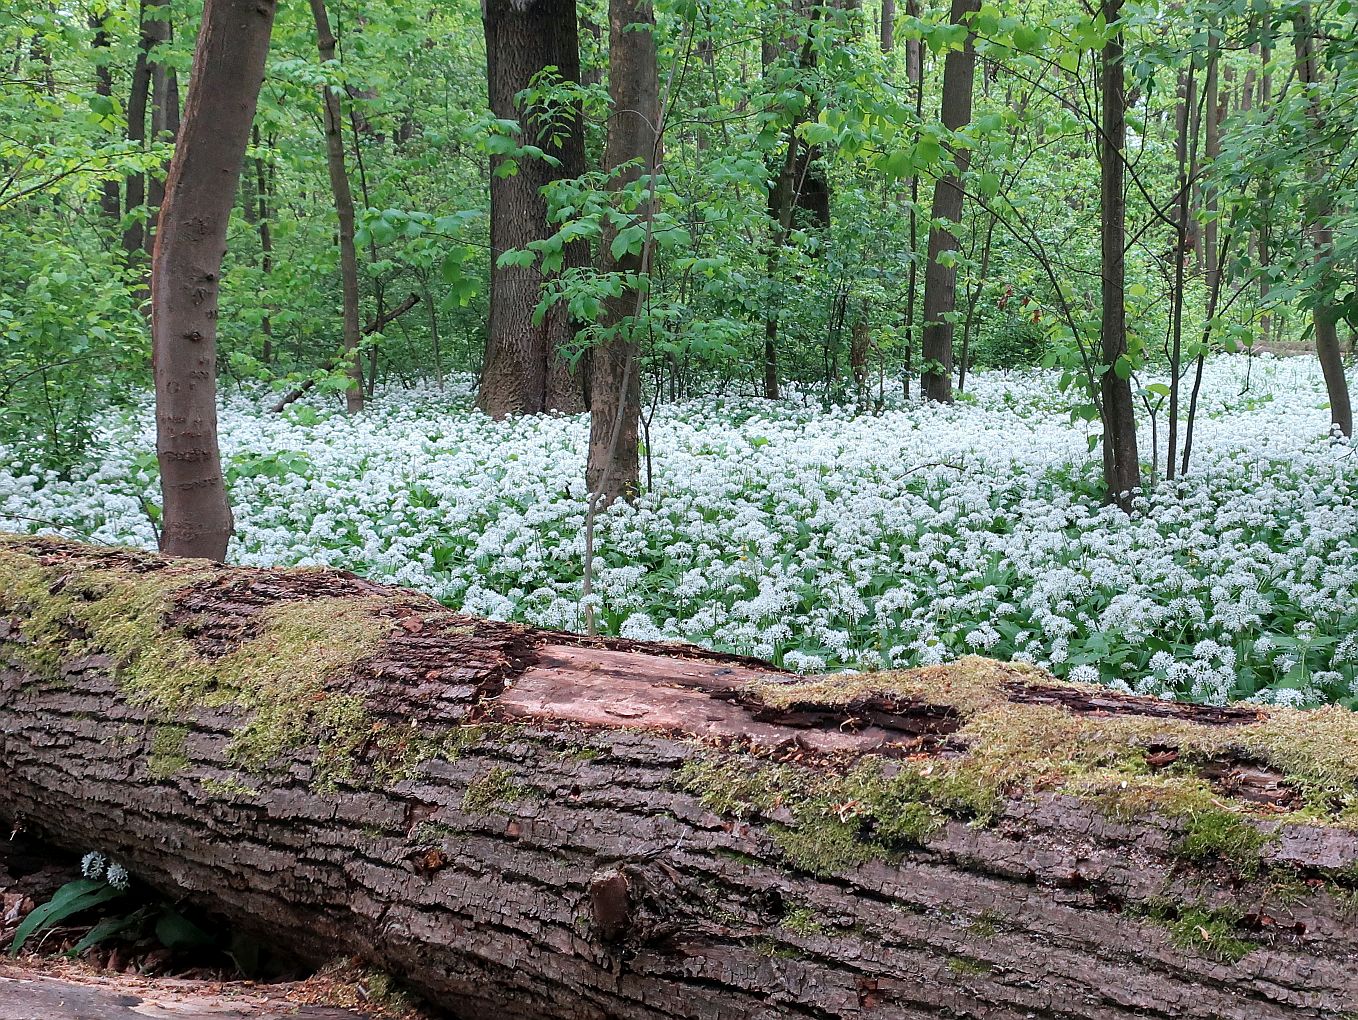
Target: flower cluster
<point x="822" y="538"/>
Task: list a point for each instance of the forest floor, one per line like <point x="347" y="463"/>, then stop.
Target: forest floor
<point x="820" y="536"/>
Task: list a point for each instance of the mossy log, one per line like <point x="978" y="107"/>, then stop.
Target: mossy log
<point x="529" y="824"/>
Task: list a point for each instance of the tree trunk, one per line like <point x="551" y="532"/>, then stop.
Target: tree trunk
<point x="940" y="279"/>
<point x="228" y="70"/>
<point x="263" y="180"/>
<point x="613" y="468"/>
<point x="164" y="103"/>
<point x="134" y="234"/>
<point x="525" y="824"/>
<point x="1180" y="249"/>
<point x="1121" y="466"/>
<point x="914" y="49"/>
<point x="525" y="371"/>
<point x="887" y="38"/>
<point x="103" y="87"/>
<point x="1325" y="317"/>
<point x="1211" y="151"/>
<point x="344" y="211"/>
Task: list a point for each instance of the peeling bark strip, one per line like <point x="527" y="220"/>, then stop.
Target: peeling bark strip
<point x="528" y="824"/>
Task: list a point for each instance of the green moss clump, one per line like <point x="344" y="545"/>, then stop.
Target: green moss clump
<point x="965" y="967"/>
<point x="229" y="788"/>
<point x="167" y="752"/>
<point x="497" y="788"/>
<point x="1217" y="835"/>
<point x="1198" y="928"/>
<point x="802" y="921"/>
<point x="986" y="924"/>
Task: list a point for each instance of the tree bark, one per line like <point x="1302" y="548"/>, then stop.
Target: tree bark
<point x="631" y="154"/>
<point x="887" y="35"/>
<point x="940" y="277"/>
<point x="344" y="211"/>
<point x="1121" y="466"/>
<point x="529" y="824"/>
<point x="525" y="370"/>
<point x="1325" y="316"/>
<point x="228" y="71"/>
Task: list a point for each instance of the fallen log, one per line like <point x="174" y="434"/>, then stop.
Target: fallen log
<point x="529" y="824"/>
<point x="373" y="326"/>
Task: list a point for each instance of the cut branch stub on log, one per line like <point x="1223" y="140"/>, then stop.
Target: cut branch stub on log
<point x="529" y="824"/>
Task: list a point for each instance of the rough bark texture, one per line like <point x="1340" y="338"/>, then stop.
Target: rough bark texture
<point x="1121" y="466"/>
<point x="228" y="70"/>
<point x="940" y="276"/>
<point x="525" y="371"/>
<point x="613" y="468"/>
<point x="528" y="824"/>
<point x="344" y="211"/>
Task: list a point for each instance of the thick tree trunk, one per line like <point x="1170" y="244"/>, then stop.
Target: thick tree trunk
<point x="525" y="371"/>
<point x="344" y="212"/>
<point x="940" y="274"/>
<point x="228" y="70"/>
<point x="613" y="467"/>
<point x="1121" y="466"/>
<point x="527" y="824"/>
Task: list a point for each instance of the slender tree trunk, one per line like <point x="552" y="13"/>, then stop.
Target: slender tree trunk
<point x="262" y="188"/>
<point x="1187" y="98"/>
<point x="940" y="277"/>
<point x="914" y="49"/>
<point x="888" y="26"/>
<point x="134" y="234"/>
<point x="1121" y="466"/>
<point x="974" y="303"/>
<point x="1325" y="317"/>
<point x="614" y="469"/>
<point x="1211" y="151"/>
<point x="525" y="370"/>
<point x="1262" y="238"/>
<point x="103" y="87"/>
<point x="228" y="70"/>
<point x="164" y="104"/>
<point x="344" y="212"/>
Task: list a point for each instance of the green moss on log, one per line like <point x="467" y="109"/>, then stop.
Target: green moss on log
<point x="280" y="674"/>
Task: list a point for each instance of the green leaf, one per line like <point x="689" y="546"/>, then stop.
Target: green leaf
<point x="628" y="241"/>
<point x="69" y="900"/>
